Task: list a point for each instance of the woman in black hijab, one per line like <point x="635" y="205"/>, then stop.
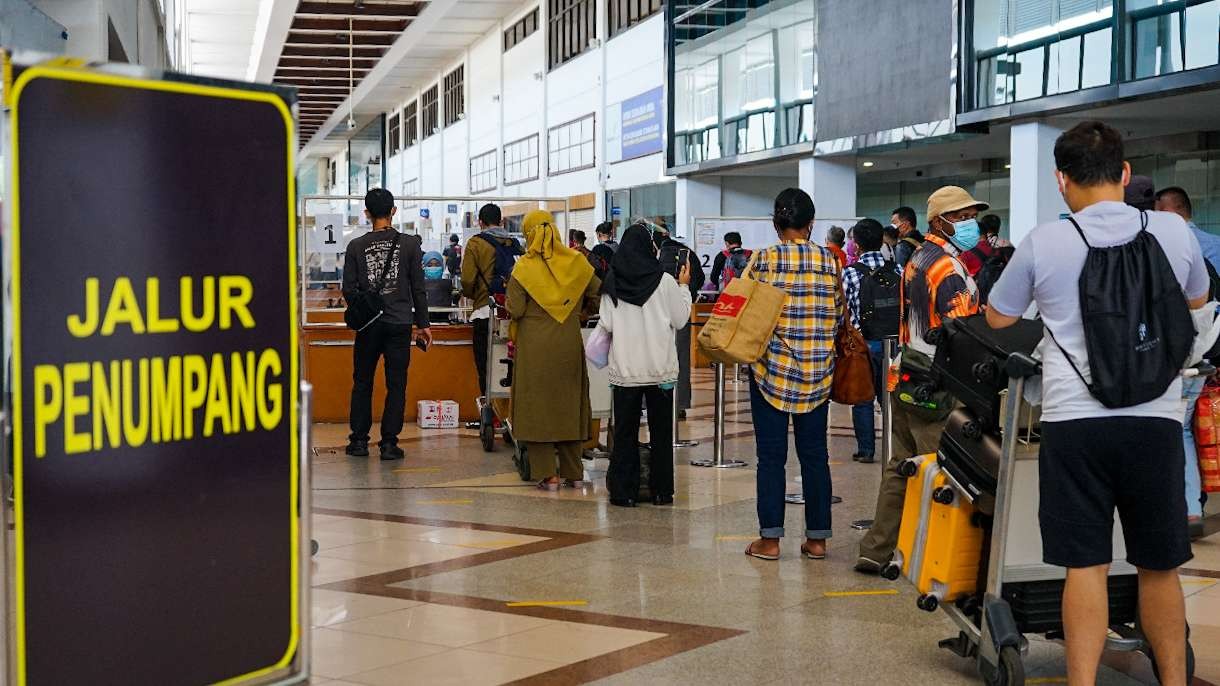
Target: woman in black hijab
<point x="642" y="309"/>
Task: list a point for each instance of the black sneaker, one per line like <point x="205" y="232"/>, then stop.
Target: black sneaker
<point x="391" y="452"/>
<point x="357" y="449"/>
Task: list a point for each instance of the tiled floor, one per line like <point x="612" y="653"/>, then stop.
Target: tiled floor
<point x="425" y="564"/>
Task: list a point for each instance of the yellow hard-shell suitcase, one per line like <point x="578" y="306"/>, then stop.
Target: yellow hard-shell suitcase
<point x="940" y="542"/>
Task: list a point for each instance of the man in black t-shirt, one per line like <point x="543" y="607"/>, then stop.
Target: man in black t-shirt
<point x="395" y="261"/>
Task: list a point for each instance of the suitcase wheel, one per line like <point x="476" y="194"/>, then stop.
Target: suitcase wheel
<point x="943" y="495"/>
<point x="985" y="372"/>
<point x="891" y="571"/>
<point x="927" y="602"/>
<point x="972" y="430"/>
<point x="908" y="468"/>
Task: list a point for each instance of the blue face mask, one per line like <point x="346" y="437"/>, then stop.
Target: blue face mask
<point x="434" y="272"/>
<point x="965" y="233"/>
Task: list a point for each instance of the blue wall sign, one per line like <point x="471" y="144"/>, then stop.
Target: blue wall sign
<point x="643" y="120"/>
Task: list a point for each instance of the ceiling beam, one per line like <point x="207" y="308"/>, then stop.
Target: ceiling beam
<point x="369" y="9"/>
<point x="340" y="38"/>
<point x="357" y="25"/>
<point x="303" y="61"/>
<point x="332" y="51"/>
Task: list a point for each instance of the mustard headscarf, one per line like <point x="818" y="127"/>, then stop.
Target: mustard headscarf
<point x="553" y="274"/>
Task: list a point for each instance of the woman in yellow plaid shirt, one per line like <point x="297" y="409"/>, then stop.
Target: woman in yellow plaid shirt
<point x="794" y="376"/>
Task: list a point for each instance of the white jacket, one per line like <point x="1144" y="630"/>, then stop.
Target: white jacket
<point x="642" y="347"/>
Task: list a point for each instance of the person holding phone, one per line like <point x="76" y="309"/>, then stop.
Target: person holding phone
<point x="673" y="254"/>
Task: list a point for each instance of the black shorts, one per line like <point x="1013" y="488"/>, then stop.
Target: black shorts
<point x="1090" y="467"/>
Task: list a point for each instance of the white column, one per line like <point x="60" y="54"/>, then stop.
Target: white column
<point x="831" y="182"/>
<point x="1033" y="191"/>
<point x="695" y="197"/>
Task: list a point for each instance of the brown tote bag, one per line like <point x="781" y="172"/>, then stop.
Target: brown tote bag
<point x="853" y="379"/>
<point x="743" y="320"/>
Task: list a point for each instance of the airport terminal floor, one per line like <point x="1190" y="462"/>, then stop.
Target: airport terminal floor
<point x="446" y="569"/>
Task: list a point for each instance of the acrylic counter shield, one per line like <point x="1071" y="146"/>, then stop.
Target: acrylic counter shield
<point x="139" y="561"/>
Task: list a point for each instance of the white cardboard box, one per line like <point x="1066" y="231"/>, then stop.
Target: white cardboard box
<point x="437" y="414"/>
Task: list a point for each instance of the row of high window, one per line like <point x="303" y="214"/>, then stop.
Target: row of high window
<point x="572" y="31"/>
<point x="569" y="148"/>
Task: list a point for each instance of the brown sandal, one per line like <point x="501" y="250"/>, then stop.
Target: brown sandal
<point x="761" y="556"/>
<point x="808" y="553"/>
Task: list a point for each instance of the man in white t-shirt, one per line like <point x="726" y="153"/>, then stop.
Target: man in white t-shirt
<point x="1094" y="459"/>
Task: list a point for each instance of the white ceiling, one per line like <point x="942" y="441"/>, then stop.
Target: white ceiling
<point x="219" y="35"/>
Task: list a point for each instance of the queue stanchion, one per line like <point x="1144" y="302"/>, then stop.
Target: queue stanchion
<point x="718" y="461"/>
<point x="887" y="421"/>
<point x="678" y="442"/>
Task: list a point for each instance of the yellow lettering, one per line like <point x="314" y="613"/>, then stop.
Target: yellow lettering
<point x="194" y="391"/>
<point x="235" y="295"/>
<point x="242" y="391"/>
<point x="123" y="308"/>
<point x="218" y="399"/>
<point x="83" y="327"/>
<point x="166" y="408"/>
<point x="48" y="403"/>
<point x="152" y="293"/>
<point x="271" y="400"/>
<point x="75" y="406"/>
<point x="135" y="433"/>
<point x="106" y="404"/>
<point x="203" y="320"/>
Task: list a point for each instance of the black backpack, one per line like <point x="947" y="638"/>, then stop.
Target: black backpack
<point x="1137" y="326"/>
<point x="880" y="304"/>
<point x="1213" y="291"/>
<point x="366" y="306"/>
<point x="506" y="258"/>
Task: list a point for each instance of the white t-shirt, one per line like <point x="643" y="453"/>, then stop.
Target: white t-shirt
<point x="1045" y="270"/>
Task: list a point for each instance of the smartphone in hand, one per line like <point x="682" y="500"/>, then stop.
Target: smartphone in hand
<point x="421" y="344"/>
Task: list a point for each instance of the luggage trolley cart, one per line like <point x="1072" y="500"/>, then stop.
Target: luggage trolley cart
<point x="497" y="403"/>
<point x="1016" y="592"/>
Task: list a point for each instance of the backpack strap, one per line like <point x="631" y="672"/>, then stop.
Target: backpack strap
<point x="1068" y="357"/>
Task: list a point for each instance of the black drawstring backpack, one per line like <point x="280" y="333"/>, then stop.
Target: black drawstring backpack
<point x="1137" y="326"/>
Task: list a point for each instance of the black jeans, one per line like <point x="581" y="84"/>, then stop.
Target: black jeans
<point x="481" y="332"/>
<point x="394" y="342"/>
<point x="682" y="340"/>
<point x="623" y="477"/>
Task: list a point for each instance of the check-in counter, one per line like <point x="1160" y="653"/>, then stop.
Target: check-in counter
<point x="445" y="372"/>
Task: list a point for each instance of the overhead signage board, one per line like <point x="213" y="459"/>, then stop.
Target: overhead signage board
<point x="152" y="270"/>
<point x="643" y="124"/>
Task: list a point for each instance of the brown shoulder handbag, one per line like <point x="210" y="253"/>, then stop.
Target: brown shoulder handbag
<point x="853" y="376"/>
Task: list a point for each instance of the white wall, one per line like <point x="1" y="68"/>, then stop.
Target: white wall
<point x="751" y="196"/>
<point x="510" y="96"/>
<point x="138" y="24"/>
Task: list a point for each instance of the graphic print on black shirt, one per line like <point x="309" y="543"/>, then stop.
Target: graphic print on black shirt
<point x="374" y="264"/>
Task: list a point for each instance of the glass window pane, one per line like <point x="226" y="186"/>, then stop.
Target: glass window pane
<point x="1202" y="31"/>
<point x="1029" y="74"/>
<point x="1097" y="58"/>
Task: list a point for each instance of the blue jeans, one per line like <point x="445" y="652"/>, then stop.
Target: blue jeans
<point x="771" y="441"/>
<point x="862" y="415"/>
<point x="1191" y="389"/>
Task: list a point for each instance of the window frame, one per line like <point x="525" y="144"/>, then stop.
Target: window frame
<point x="393" y="136"/>
<point x="592" y="142"/>
<point x="537" y="153"/>
<point x="455" y="95"/>
<point x="430" y="112"/>
<point x="614" y="19"/>
<point x="521" y="29"/>
<point x="493" y="172"/>
<point x="410" y="124"/>
<point x="569" y="21"/>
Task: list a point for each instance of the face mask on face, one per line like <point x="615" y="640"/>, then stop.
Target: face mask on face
<point x="434" y="272"/>
<point x="965" y="233"/>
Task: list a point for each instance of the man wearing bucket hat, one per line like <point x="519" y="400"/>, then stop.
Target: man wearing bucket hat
<point x="935" y="286"/>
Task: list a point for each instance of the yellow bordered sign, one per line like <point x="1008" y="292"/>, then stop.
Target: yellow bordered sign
<point x="154" y="530"/>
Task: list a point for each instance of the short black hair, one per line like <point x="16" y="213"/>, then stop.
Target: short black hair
<point x="380" y="203"/>
<point x="907" y="215"/>
<point x="890" y="232"/>
<point x="793" y="209"/>
<point x="489" y="214"/>
<point x="867" y="234"/>
<point x="578" y="236"/>
<point x="453" y="238"/>
<point x="1090" y="153"/>
<point x="1178" y="196"/>
<point x="836" y="235"/>
<point x="732" y="238"/>
<point x="990" y="224"/>
<point x="605" y="229"/>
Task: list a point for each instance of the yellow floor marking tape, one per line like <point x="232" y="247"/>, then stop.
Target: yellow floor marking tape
<point x="417" y="470"/>
<point x="444" y="502"/>
<point x="547" y="603"/>
<point x="850" y="594"/>
<point x="1204" y="582"/>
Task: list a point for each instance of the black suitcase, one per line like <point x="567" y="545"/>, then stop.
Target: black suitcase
<point x="970" y="358"/>
<point x="971" y="457"/>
